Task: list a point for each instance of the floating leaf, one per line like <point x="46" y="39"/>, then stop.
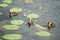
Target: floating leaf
<point x="33" y="15"/>
<point x="3" y="5"/>
<point x="15" y="9"/>
<point x="43" y="33"/>
<point x="17" y="22"/>
<point x="12" y="36"/>
<point x="7" y="1"/>
<point x="11" y="27"/>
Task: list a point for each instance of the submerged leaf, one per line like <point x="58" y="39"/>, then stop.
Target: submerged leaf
<point x="41" y="27"/>
<point x="17" y="22"/>
<point x="43" y="33"/>
<point x="12" y="36"/>
<point x="3" y="5"/>
<point x="11" y="27"/>
<point x="33" y="15"/>
<point x="15" y="9"/>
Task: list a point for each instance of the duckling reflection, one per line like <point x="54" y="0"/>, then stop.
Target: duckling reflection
<point x="50" y="25"/>
<point x="30" y="22"/>
<point x="12" y="14"/>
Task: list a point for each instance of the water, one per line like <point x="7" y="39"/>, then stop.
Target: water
<point x="50" y="12"/>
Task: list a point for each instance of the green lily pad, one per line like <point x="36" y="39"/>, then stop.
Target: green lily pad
<point x="3" y="5"/>
<point x="43" y="33"/>
<point x="12" y="36"/>
<point x="17" y="22"/>
<point x="7" y="1"/>
<point x="11" y="27"/>
<point x="13" y="39"/>
<point x="33" y="15"/>
<point x="15" y="9"/>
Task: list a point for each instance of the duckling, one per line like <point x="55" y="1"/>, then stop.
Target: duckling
<point x="30" y="22"/>
<point x="50" y="25"/>
<point x="12" y="14"/>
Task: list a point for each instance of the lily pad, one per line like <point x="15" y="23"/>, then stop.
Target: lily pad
<point x="17" y="22"/>
<point x="3" y="5"/>
<point x="43" y="33"/>
<point x="15" y="9"/>
<point x="12" y="36"/>
<point x="7" y="1"/>
<point x="11" y="27"/>
<point x="33" y="15"/>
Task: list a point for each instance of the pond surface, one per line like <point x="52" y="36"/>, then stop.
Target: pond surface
<point x="49" y="10"/>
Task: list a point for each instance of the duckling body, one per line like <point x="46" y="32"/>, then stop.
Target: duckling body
<point x="30" y="22"/>
<point x="50" y="25"/>
<point x="12" y="14"/>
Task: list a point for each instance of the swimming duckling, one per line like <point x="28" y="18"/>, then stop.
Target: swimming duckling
<point x="30" y="22"/>
<point x="50" y="25"/>
<point x="12" y="14"/>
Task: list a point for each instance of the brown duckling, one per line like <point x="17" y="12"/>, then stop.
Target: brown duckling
<point x="50" y="25"/>
<point x="12" y="14"/>
<point x="30" y="22"/>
